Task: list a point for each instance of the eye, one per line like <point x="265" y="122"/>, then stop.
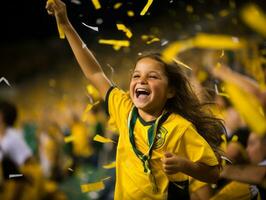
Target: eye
<point x="134" y="76"/>
<point x="153" y="77"/>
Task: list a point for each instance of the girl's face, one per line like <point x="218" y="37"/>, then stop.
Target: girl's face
<point x="149" y="89"/>
<point x="255" y="149"/>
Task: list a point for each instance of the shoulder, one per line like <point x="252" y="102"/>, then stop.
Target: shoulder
<point x="12" y="134"/>
<point x="176" y="121"/>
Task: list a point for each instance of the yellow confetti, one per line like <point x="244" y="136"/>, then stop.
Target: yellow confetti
<point x="203" y="40"/>
<point x="60" y="29"/>
<point x="254" y="17"/>
<point x="117" y="5"/>
<point x="145" y="9"/>
<point x="68" y="139"/>
<point x="249" y="108"/>
<point x="117" y="44"/>
<point x="92" y="186"/>
<point x="130" y="13"/>
<point x="145" y="37"/>
<point x="153" y="40"/>
<point x="123" y="28"/>
<point x="96" y="4"/>
<point x="90" y="106"/>
<point x="93" y="92"/>
<point x="110" y="166"/>
<point x="173" y="49"/>
<point x="102" y="139"/>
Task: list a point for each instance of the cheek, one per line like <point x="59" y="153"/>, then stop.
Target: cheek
<point x="131" y="88"/>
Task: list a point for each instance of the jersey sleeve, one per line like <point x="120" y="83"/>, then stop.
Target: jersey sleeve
<point x="118" y="105"/>
<point x="196" y="148"/>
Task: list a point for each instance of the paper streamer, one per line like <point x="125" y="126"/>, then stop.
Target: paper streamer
<point x="254" y="17"/>
<point x="110" y="165"/>
<point x="145" y="9"/>
<point x="102" y="139"/>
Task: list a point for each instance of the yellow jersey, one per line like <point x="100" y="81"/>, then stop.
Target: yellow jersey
<point x="176" y="135"/>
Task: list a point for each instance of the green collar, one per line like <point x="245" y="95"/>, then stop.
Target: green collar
<point x="152" y="132"/>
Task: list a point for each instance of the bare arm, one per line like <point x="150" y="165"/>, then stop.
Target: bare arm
<point x="173" y="164"/>
<point x="251" y="174"/>
<point x="226" y="74"/>
<point x="88" y="63"/>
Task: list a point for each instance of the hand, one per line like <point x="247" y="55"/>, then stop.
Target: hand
<point x="57" y="8"/>
<point x="172" y="163"/>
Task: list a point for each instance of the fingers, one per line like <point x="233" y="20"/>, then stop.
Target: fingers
<point x="50" y="7"/>
<point x="168" y="154"/>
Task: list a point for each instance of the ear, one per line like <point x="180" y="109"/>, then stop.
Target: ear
<point x="171" y="93"/>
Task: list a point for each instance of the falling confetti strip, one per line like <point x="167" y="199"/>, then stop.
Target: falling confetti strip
<point x="164" y="42"/>
<point x="130" y="13"/>
<point x="95" y="28"/>
<point x="145" y="9"/>
<point x="96" y="4"/>
<point x="15" y="175"/>
<point x="76" y="2"/>
<point x="110" y="165"/>
<point x="254" y="17"/>
<point x="68" y="139"/>
<point x="117" y="44"/>
<point x="70" y="169"/>
<point x="117" y="5"/>
<point x="220" y="93"/>
<point x="60" y="29"/>
<point x="203" y="40"/>
<point x="123" y="28"/>
<point x="153" y="40"/>
<point x="92" y="186"/>
<point x="93" y="92"/>
<point x="102" y="139"/>
<point x="90" y="106"/>
<point x="3" y="79"/>
<point x="174" y="48"/>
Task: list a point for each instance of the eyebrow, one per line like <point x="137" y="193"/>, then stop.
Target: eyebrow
<point x="137" y="71"/>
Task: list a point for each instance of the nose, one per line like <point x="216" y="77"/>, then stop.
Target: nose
<point x="142" y="80"/>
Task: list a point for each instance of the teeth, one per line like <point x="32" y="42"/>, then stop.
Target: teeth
<point x="143" y="91"/>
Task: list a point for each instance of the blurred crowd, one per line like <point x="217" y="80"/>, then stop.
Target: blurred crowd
<point x="46" y="134"/>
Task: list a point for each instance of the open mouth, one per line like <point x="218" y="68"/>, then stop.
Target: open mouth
<point x="141" y="91"/>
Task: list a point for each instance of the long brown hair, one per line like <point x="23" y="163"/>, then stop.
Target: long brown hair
<point x="187" y="104"/>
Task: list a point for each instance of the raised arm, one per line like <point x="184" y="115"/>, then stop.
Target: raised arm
<point x="226" y="74"/>
<point x="88" y="63"/>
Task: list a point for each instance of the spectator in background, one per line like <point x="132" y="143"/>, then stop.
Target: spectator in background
<point x="15" y="158"/>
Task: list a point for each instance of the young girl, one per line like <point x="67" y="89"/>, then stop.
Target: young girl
<point x="163" y="128"/>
